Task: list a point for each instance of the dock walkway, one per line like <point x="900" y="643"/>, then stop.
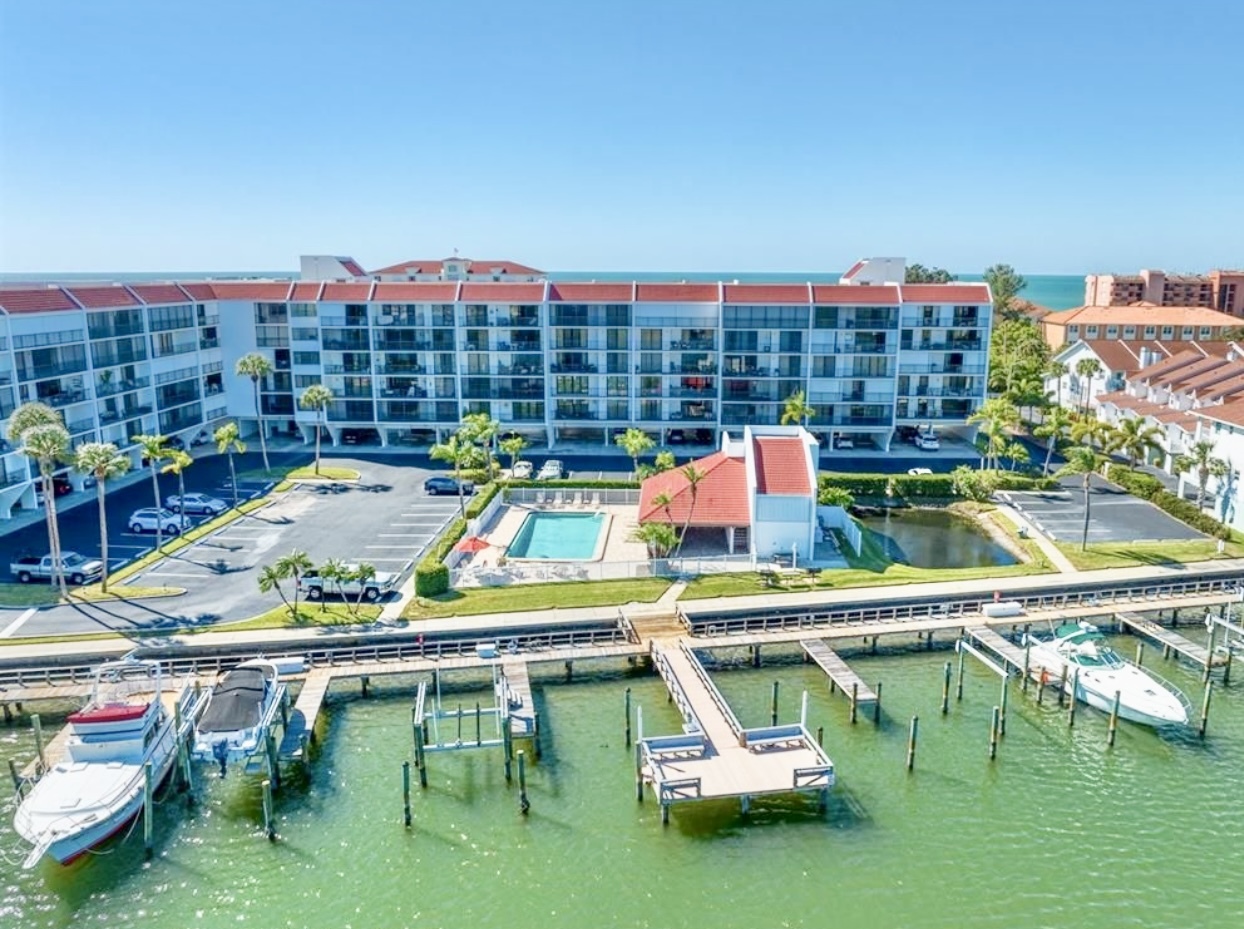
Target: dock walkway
<point x="840" y="673"/>
<point x="306" y="711"/>
<point x="1012" y="655"/>
<point x="515" y="696"/>
<point x="1170" y="640"/>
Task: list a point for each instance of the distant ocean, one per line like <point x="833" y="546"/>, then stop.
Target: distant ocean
<point x="1056" y="291"/>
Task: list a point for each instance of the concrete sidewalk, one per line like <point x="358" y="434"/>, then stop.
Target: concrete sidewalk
<point x="1048" y="548"/>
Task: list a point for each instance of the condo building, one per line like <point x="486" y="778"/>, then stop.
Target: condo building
<point x="410" y="349"/>
<point x="1218" y="290"/>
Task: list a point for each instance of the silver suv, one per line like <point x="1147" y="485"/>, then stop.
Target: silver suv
<point x="149" y="518"/>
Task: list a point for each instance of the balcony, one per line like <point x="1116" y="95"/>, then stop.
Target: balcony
<point x="342" y="322"/>
<point x="693" y="345"/>
<point x="945" y="345"/>
<point x="573" y="369"/>
<point x="209" y="343"/>
<point x="63" y="398"/>
<point x="677" y="392"/>
<point x="563" y="415"/>
<point x="406" y="320"/>
<point x="521" y="370"/>
<point x="519" y="320"/>
<point x="345" y="345"/>
<point x="501" y="393"/>
<point x="110" y="387"/>
<point x="128" y="412"/>
<point x="943" y="368"/>
<point x="348" y="369"/>
<point x="399" y="367"/>
<point x="924" y="391"/>
<point x="754" y="371"/>
<point x="386" y="343"/>
<point x="761" y="396"/>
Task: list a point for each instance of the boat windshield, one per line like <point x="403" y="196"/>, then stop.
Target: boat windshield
<point x="1091" y="655"/>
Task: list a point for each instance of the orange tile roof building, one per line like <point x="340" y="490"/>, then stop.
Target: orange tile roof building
<point x="1137" y="321"/>
<point x="1218" y="290"/>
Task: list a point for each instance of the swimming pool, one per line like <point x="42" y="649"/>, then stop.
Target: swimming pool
<point x="559" y="537"/>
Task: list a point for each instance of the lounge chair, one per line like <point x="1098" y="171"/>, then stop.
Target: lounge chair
<point x="596" y="498"/>
<point x="539" y="498"/>
<point x="558" y="499"/>
<point x="578" y="498"/>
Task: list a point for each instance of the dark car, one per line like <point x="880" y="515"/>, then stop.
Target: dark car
<point x="359" y="436"/>
<point x="434" y="486"/>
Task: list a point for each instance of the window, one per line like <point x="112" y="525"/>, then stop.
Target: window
<point x="171" y="317"/>
<point x="1168" y="332"/>
<point x="307" y="358"/>
<point x="1112" y="332"/>
<point x="1091" y="332"/>
<point x="1186" y="332"/>
<point x="304" y="335"/>
<point x="1129" y="332"/>
<point x="1206" y="332"/>
<point x="1151" y="332"/>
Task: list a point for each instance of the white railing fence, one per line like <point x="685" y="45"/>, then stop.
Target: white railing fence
<point x="529" y="572"/>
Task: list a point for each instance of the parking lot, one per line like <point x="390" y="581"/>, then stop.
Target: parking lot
<point x="1114" y="514"/>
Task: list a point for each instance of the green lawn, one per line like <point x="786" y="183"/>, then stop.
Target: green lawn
<point x="302" y="472"/>
<point x="26" y="595"/>
<point x="522" y="597"/>
<point x="309" y="615"/>
<point x="1133" y="554"/>
<point x="92" y="592"/>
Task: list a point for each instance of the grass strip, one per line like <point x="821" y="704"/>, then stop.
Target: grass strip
<point x="21" y="596"/>
<point x="1100" y="555"/>
<point x="519" y="598"/>
<point x="92" y="593"/>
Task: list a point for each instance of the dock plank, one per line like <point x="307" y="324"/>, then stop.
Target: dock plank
<point x="838" y="670"/>
<point x="517" y="696"/>
<point x="1169" y="638"/>
<point x="1010" y="653"/>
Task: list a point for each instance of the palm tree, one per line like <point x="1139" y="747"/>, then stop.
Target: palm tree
<point x="1017" y="453"/>
<point x="1200" y="460"/>
<point x="665" y="502"/>
<point x="154" y="450"/>
<point x="797" y="410"/>
<point x="178" y="461"/>
<point x="228" y="443"/>
<point x="1055" y="424"/>
<point x="256" y="366"/>
<point x="317" y="397"/>
<point x="693" y="475"/>
<point x="995" y="415"/>
<point x="634" y="442"/>
<point x="333" y="571"/>
<point x="48" y="444"/>
<point x="270" y="579"/>
<point x="362" y="573"/>
<point x="105" y="461"/>
<point x="660" y="538"/>
<point x="1135" y="438"/>
<point x="481" y="429"/>
<point x="294" y="565"/>
<point x="512" y="446"/>
<point x="456" y="451"/>
<point x="1057" y="370"/>
<point x="1093" y="431"/>
<point x="26" y="417"/>
<point x="1087" y="369"/>
<point x="1081" y="461"/>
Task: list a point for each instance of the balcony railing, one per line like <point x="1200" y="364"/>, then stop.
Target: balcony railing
<point x="342" y="322"/>
<point x="676" y="392"/>
<point x="947" y="345"/>
<point x="209" y="343"/>
<point x="347" y="369"/>
<point x="940" y="369"/>
<point x="578" y="414"/>
<point x="501" y="393"/>
<point x="402" y="345"/>
<point x="64" y="398"/>
<point x="399" y="368"/>
<point x="574" y="369"/>
<point x="110" y="387"/>
<point x="941" y="391"/>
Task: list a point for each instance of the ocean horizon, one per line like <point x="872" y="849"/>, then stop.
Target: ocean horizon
<point x="1055" y="291"/>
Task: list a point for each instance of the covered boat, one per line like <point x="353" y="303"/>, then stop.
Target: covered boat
<point x="239" y="714"/>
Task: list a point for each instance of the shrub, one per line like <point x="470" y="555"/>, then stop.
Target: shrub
<point x="1148" y="487"/>
<point x="1145" y="486"/>
<point x="828" y="495"/>
<point x="431" y="574"/>
<point x="924" y="486"/>
<point x="1009" y="480"/>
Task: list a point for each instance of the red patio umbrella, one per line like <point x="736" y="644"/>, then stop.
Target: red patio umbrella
<point x="472" y="544"/>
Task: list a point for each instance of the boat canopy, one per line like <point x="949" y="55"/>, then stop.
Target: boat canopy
<point x="237" y="701"/>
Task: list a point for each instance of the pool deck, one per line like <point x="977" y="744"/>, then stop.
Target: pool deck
<point x="618" y="544"/>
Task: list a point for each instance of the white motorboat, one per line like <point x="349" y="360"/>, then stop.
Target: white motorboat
<point x="91" y="795"/>
<point x="239" y="714"/>
<point x="1097" y="673"/>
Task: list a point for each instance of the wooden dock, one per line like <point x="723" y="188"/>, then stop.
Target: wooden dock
<point x="516" y="697"/>
<point x="840" y="673"/>
<point x="1012" y="655"/>
<point x="1170" y="640"/>
<point x="716" y="757"/>
<point x="301" y="727"/>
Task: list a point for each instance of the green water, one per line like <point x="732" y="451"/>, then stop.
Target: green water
<point x="1058" y="832"/>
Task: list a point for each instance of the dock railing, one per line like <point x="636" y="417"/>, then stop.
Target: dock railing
<point x="719" y="701"/>
<point x="661" y="663"/>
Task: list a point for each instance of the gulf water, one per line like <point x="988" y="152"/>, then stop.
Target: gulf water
<point x="1059" y="831"/>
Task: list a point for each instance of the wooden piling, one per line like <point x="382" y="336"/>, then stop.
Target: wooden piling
<point x="628" y="717"/>
<point x="507" y="747"/>
<point x="928" y="641"/>
<point x="1006" y="681"/>
<point x="37" y="724"/>
<point x="773" y="709"/>
<point x="420" y="761"/>
<point x="1209" y="690"/>
<point x="639" y="774"/>
<point x="911" y="742"/>
<point x="993" y="734"/>
<point x="569" y="671"/>
<point x="269" y="819"/>
<point x="959" y="687"/>
<point x="1114" y="721"/>
<point x="524" y="805"/>
<point x="304" y="750"/>
<point x="946" y="672"/>
<point x="1226" y="669"/>
<point x="148" y="812"/>
<point x="8" y="714"/>
<point x="1023" y="687"/>
<point x="535" y="734"/>
<point x="366" y="685"/>
<point x="406" y="793"/>
<point x="18" y="783"/>
<point x="285" y="709"/>
<point x="1140" y="653"/>
<point x="478" y="736"/>
<point x="1062" y="687"/>
<point x="755" y="656"/>
<point x="1209" y="653"/>
<point x="855" y="695"/>
<point x="877" y="706"/>
<point x="820" y="736"/>
<point x="1075" y="689"/>
<point x="274" y="763"/>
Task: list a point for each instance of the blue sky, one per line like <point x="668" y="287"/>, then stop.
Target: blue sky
<point x="237" y="134"/>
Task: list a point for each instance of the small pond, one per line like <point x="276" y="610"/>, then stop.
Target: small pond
<point x="927" y="538"/>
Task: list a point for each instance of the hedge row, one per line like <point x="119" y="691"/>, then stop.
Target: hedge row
<point x="1148" y="487"/>
<point x="431" y="574"/>
<point x="1009" y="480"/>
<point x="907" y="486"/>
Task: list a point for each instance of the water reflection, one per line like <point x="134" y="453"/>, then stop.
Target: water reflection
<point x="927" y="538"/>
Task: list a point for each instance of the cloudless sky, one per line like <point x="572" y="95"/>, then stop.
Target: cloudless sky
<point x="642" y="135"/>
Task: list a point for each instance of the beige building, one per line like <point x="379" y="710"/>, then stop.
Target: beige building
<point x="1218" y="290"/>
<point x="1143" y="321"/>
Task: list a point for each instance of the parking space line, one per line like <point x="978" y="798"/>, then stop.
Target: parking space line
<point x="158" y="573"/>
<point x="402" y="535"/>
<point x="404" y="548"/>
<point x="17" y="623"/>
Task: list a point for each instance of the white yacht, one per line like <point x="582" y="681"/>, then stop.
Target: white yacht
<point x="239" y="714"/>
<point x="91" y="795"/>
<point x="1080" y="647"/>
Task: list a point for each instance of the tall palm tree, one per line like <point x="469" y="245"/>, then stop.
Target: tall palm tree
<point x="693" y="475"/>
<point x="270" y="579"/>
<point x="48" y="444"/>
<point x="1057" y="370"/>
<point x="996" y="415"/>
<point x="333" y="572"/>
<point x="797" y="410"/>
<point x="228" y="443"/>
<point x="155" y="450"/>
<point x="665" y="502"/>
<point x="634" y="442"/>
<point x="481" y="429"/>
<point x="294" y="566"/>
<point x="1135" y="438"/>
<point x="1087" y="369"/>
<point x="317" y="397"/>
<point x="362" y="573"/>
<point x="178" y="461"/>
<point x="105" y="461"/>
<point x="256" y="366"/>
<point x="1093" y="431"/>
<point x="513" y="446"/>
<point x="1200" y="460"/>
<point x="1055" y="425"/>
<point x="26" y="417"/>
<point x="457" y="452"/>
<point x="1081" y="461"/>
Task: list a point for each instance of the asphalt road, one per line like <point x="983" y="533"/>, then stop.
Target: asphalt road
<point x="1114" y="514"/>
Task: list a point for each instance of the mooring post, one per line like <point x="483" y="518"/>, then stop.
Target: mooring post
<point x="993" y="734"/>
<point x="628" y="717"/>
<point x="877" y="706"/>
<point x="1226" y="669"/>
<point x="1006" y="680"/>
<point x="639" y="774"/>
<point x="755" y="656"/>
<point x="523" y="803"/>
<point x="148" y="813"/>
<point x="874" y="646"/>
<point x="274" y="763"/>
<point x="911" y="742"/>
<point x="1114" y="721"/>
<point x="959" y="687"/>
<point x="665" y="813"/>
<point x="1062" y="687"/>
<point x="419" y="759"/>
<point x="535" y="734"/>
<point x="17" y="778"/>
<point x="366" y="681"/>
<point x="285" y="709"/>
<point x="269" y="823"/>
<point x="1023" y="687"/>
<point x="946" y="689"/>
<point x="774" y="707"/>
<point x="1209" y="653"/>
<point x="478" y="738"/>
<point x="1140" y="653"/>
<point x="569" y="671"/>
<point x="304" y="750"/>
<point x="1209" y="690"/>
<point x="820" y="736"/>
<point x="855" y="694"/>
<point x="37" y="724"/>
<point x="1071" y="704"/>
<point x="406" y="792"/>
<point x="507" y="746"/>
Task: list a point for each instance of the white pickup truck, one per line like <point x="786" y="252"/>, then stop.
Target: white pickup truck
<point x="314" y="587"/>
<point x="77" y="569"/>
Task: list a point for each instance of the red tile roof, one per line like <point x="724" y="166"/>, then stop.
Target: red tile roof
<point x="946" y="293"/>
<point x="1232" y="413"/>
<point x="307" y="291"/>
<point x="721" y="495"/>
<point x="1124" y="355"/>
<point x="781" y="465"/>
<point x="353" y="267"/>
<point x="493" y="292"/>
<point x="265" y="291"/>
<point x="35" y="300"/>
<point x="474" y="266"/>
<point x="159" y="293"/>
<point x="855" y="295"/>
<point x="1180" y="359"/>
<point x="95" y="297"/>
<point x="1192" y="374"/>
<point x="346" y="293"/>
<point x="416" y="292"/>
<point x="1140" y="315"/>
<point x="571" y="292"/>
<point x="1222" y="389"/>
<point x="199" y="291"/>
<point x="768" y="293"/>
<point x="854" y="270"/>
<point x="676" y="293"/>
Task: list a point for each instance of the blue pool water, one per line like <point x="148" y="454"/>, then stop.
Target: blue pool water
<point x="558" y="536"/>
